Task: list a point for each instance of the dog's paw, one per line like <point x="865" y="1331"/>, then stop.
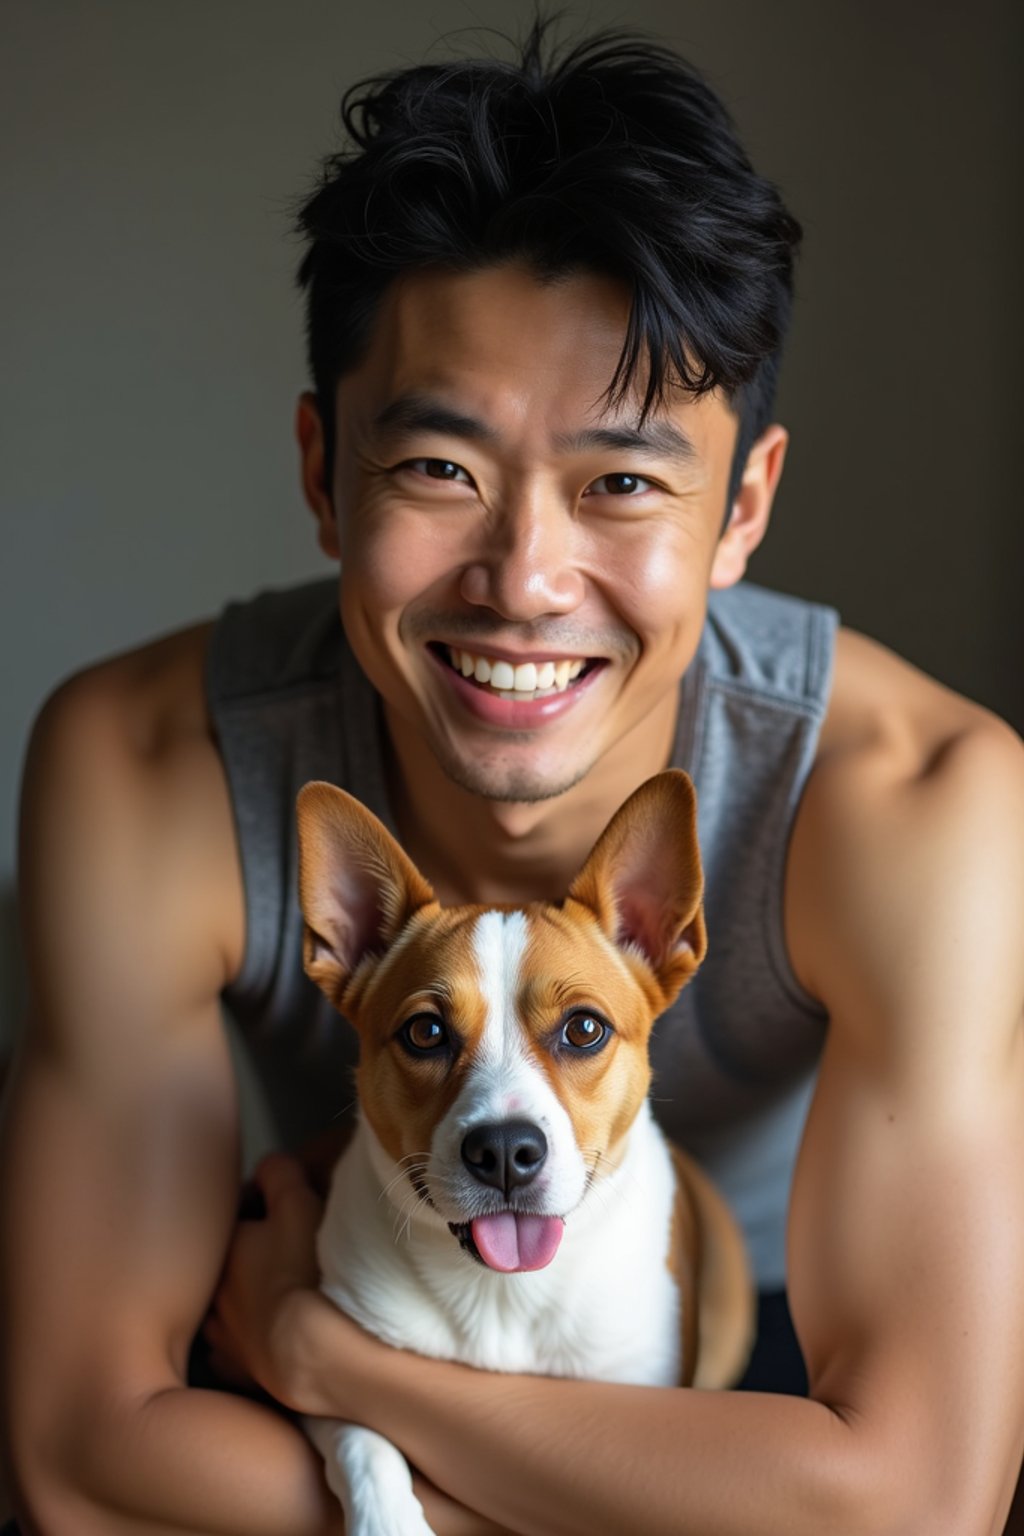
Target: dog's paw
<point x="371" y="1479"/>
<point x="390" y="1512"/>
<point x="389" y="1524"/>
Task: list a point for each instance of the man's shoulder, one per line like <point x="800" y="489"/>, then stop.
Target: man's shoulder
<point x="122" y="766"/>
<point x="888" y="719"/>
<point x="138" y="701"/>
<point x="916" y="800"/>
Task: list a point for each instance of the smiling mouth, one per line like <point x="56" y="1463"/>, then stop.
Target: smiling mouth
<point x="520" y="683"/>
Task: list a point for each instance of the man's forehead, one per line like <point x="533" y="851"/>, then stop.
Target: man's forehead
<point x="497" y="298"/>
<point x="476" y="355"/>
<point x="433" y="331"/>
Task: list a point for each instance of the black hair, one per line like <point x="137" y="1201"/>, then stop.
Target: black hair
<point x="613" y="156"/>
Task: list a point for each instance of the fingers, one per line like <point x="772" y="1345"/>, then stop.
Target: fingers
<point x="278" y="1168"/>
<point x="279" y="1174"/>
<point x="275" y="1175"/>
<point x="282" y="1182"/>
<point x="218" y="1365"/>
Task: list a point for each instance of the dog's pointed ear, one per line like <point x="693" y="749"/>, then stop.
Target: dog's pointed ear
<point x="643" y="880"/>
<point x="357" y="888"/>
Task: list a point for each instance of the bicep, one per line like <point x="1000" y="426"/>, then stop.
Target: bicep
<point x="117" y="1203"/>
<point x="119" y="1162"/>
<point x="906" y="1271"/>
<point x="906" y="1244"/>
<point x="906" y="1239"/>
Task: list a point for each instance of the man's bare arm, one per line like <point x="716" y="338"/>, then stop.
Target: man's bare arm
<point x="907" y="1252"/>
<point x="119" y="1159"/>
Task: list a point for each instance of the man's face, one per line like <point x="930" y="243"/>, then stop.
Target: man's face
<point x="491" y="510"/>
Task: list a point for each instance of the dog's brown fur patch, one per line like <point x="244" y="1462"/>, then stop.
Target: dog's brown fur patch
<point x="405" y="1097"/>
<point x="601" y="1091"/>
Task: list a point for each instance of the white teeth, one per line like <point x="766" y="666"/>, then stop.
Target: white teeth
<point x="528" y="680"/>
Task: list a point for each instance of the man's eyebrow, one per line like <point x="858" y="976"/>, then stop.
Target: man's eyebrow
<point x="420" y="413"/>
<point x="423" y="413"/>
<point x="660" y="437"/>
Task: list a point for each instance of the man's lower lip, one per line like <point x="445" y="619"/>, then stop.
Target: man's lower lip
<point x="515" y="714"/>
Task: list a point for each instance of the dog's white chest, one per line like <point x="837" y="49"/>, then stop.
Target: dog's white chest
<point x="606" y="1308"/>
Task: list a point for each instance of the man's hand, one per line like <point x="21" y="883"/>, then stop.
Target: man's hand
<point x="271" y="1269"/>
<point x="258" y="1325"/>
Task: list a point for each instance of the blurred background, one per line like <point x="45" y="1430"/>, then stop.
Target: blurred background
<point x="151" y="336"/>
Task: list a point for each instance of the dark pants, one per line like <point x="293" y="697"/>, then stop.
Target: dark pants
<point x="775" y="1366"/>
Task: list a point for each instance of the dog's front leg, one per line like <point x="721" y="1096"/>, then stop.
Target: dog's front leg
<point x="370" y="1478"/>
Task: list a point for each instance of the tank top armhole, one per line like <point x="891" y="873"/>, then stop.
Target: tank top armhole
<point x="248" y="985"/>
<point x="822" y="625"/>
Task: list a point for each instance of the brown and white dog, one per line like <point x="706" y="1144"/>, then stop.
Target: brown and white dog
<point x="507" y="1199"/>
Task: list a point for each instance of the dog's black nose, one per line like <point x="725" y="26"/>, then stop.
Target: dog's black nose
<point x="506" y="1155"/>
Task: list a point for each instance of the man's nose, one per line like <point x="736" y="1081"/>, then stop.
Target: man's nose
<point x="528" y="564"/>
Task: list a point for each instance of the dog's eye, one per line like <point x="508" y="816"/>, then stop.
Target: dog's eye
<point x="584" y="1032"/>
<point x="424" y="1033"/>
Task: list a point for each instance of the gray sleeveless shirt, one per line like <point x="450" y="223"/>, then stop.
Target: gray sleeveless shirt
<point x="735" y="1057"/>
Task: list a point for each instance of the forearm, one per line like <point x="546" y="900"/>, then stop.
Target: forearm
<point x="606" y="1458"/>
<point x="185" y="1461"/>
<point x="178" y="1461"/>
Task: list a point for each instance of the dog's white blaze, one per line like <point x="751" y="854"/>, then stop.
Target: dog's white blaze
<point x="499" y="944"/>
<point x="504" y="1082"/>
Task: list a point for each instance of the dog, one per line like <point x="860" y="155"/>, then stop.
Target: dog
<point x="507" y="1199"/>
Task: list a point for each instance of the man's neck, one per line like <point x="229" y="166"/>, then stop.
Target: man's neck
<point x="474" y="849"/>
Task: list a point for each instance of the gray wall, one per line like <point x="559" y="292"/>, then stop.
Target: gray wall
<point x="151" y="339"/>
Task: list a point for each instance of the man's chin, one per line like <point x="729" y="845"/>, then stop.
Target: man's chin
<point x="511" y="783"/>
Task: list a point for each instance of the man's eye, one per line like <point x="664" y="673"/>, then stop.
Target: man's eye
<point x="439" y="469"/>
<point x="619" y="485"/>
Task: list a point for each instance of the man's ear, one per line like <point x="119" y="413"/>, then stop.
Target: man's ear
<point x="357" y="888"/>
<point x="309" y="433"/>
<point x="643" y="880"/>
<point x="751" y="509"/>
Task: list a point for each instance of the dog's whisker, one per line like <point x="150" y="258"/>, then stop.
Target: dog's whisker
<point x="397" y="1182"/>
<point x="610" y="1187"/>
<point x="403" y="1213"/>
<point x="420" y="1197"/>
<point x="402" y="1177"/>
<point x="422" y="1158"/>
<point x="602" y="1192"/>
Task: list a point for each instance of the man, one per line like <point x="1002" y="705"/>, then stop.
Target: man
<point x="546" y="304"/>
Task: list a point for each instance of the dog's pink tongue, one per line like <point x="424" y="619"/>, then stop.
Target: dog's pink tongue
<point x="514" y="1243"/>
